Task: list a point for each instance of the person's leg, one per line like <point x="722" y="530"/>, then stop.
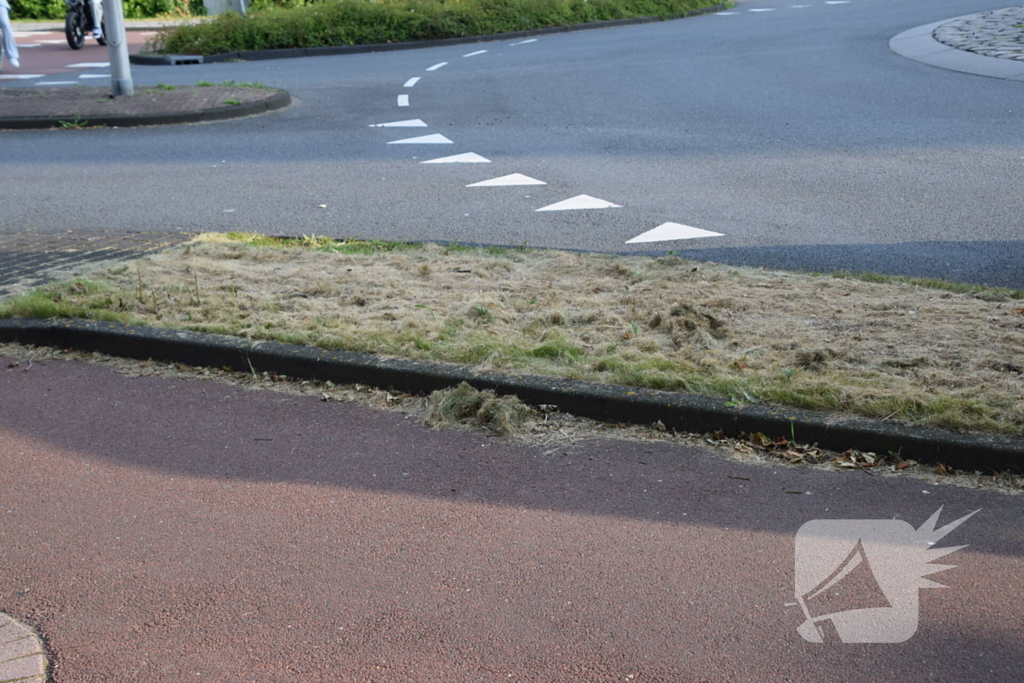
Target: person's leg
<point x="10" y="48"/>
<point x="97" y="17"/>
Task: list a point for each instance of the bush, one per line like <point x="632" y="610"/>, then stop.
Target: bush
<point x="133" y="9"/>
<point x="320" y="23"/>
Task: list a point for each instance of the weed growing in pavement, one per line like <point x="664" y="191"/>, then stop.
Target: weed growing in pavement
<point x="76" y="123"/>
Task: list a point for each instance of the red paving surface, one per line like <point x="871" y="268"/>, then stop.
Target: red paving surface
<point x="52" y="56"/>
<point x="166" y="530"/>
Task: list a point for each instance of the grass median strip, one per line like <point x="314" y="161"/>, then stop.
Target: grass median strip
<point x="301" y="24"/>
<point x="929" y="353"/>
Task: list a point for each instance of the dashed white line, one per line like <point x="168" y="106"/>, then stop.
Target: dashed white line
<point x="672" y="231"/>
<point x="403" y="100"/>
<point x="436" y="66"/>
<point x="799" y="6"/>
<point x="22" y="46"/>
<point x="474" y="54"/>
<point x="95" y="76"/>
<point x="435" y="139"/>
<point x="506" y="180"/>
<point x="582" y="201"/>
<point x="411" y="82"/>
<point x="762" y="9"/>
<point x="88" y="65"/>
<point x="410" y="123"/>
<point x="524" y="42"/>
<point x="466" y="158"/>
<point x="19" y="77"/>
<point x="837" y="2"/>
<point x="724" y="14"/>
<point x="57" y="82"/>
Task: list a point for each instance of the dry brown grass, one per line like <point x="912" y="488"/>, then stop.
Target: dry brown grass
<point x="889" y="350"/>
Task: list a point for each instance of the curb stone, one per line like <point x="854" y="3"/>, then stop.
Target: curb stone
<point x="609" y="403"/>
<point x="328" y="50"/>
<point x="22" y="656"/>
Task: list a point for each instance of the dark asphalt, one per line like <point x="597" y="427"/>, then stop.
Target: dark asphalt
<point x="172" y="530"/>
<point x="796" y="133"/>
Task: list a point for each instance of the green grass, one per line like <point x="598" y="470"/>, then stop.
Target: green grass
<point x="358" y="22"/>
<point x="317" y="243"/>
<point x="979" y="291"/>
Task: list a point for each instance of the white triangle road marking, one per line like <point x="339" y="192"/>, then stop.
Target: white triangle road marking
<point x="436" y="66"/>
<point x="583" y="201"/>
<point x="467" y="158"/>
<point x="435" y="139"/>
<point x="672" y="231"/>
<point x="411" y="82"/>
<point x="505" y="180"/>
<point x="410" y="123"/>
<point x="403" y="100"/>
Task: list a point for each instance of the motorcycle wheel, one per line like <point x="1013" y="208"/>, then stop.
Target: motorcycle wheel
<point x="103" y="40"/>
<point x="74" y="30"/>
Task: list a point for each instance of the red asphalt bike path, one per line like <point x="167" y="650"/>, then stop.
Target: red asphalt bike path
<point x="45" y="54"/>
<point x="169" y="530"/>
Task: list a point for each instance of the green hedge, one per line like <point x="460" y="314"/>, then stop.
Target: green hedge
<point x="301" y="23"/>
<point x="133" y="9"/>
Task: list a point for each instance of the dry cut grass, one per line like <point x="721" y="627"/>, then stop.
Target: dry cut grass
<point x="891" y="350"/>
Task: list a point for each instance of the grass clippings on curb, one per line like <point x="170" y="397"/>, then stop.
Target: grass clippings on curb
<point x="359" y="22"/>
<point x="944" y="355"/>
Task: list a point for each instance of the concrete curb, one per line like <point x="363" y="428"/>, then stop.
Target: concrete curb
<point x="610" y="403"/>
<point x="291" y="53"/>
<point x="919" y="45"/>
<point x="22" y="655"/>
<point x="278" y="100"/>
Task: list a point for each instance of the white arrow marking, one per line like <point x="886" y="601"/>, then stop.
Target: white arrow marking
<point x="467" y="158"/>
<point x="436" y="66"/>
<point x="583" y="201"/>
<point x="403" y="100"/>
<point x="435" y="139"/>
<point x="513" y="179"/>
<point x="524" y="42"/>
<point x="411" y="82"/>
<point x="410" y="123"/>
<point x="88" y="65"/>
<point x="672" y="231"/>
<point x="474" y="54"/>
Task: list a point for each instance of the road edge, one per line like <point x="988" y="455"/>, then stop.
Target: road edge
<point x="603" y="402"/>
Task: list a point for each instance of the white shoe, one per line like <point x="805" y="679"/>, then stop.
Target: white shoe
<point x="97" y="34"/>
<point x="14" y="62"/>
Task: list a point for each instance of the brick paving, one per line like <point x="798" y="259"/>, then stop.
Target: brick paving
<point x="28" y="260"/>
<point x="993" y="34"/>
<point x="22" y="657"/>
<point x="18" y="103"/>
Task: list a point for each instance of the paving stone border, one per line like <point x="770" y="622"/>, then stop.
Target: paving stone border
<point x="22" y="655"/>
<point x="992" y="34"/>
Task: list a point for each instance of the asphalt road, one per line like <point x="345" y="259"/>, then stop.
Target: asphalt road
<point x="795" y="133"/>
<point x="165" y="530"/>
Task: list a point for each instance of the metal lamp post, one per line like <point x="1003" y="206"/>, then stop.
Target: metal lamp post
<point x="120" y="71"/>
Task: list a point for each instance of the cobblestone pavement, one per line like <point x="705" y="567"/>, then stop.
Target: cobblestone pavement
<point x="21" y="653"/>
<point x="28" y="260"/>
<point x="999" y="33"/>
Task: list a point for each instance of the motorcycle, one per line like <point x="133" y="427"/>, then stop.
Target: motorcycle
<point x="79" y="23"/>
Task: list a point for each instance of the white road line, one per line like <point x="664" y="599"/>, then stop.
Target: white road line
<point x="19" y="77"/>
<point x="411" y="82"/>
<point x="837" y="2"/>
<point x="52" y="42"/>
<point x="724" y="14"/>
<point x="411" y="123"/>
<point x="474" y="54"/>
<point x="524" y="42"/>
<point x="582" y="201"/>
<point x="799" y="6"/>
<point x="435" y="139"/>
<point x="436" y="66"/>
<point x="762" y="9"/>
<point x="672" y="231"/>
<point x="403" y="100"/>
<point x="506" y="180"/>
<point x="22" y="46"/>
<point x="57" y="83"/>
<point x="88" y="65"/>
<point x="95" y="76"/>
<point x="467" y="158"/>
